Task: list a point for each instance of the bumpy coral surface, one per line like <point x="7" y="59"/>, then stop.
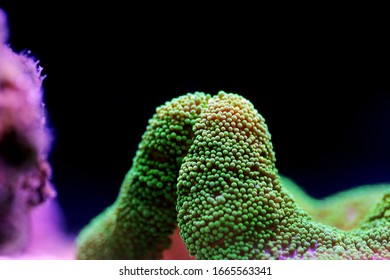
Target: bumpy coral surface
<point x="207" y="163"/>
<point x="345" y="210"/>
<point x="138" y="225"/>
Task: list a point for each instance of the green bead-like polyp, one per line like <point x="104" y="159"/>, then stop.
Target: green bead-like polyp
<point x="207" y="164"/>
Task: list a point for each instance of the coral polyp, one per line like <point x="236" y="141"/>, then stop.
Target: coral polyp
<point x="207" y="164"/>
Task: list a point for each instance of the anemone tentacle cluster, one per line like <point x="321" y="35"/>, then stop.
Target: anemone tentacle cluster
<point x="207" y="164"/>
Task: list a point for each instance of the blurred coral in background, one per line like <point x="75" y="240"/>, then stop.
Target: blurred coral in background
<point x="30" y="220"/>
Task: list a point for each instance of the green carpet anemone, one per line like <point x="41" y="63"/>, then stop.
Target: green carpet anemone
<point x="206" y="163"/>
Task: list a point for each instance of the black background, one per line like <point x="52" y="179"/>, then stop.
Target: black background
<point x="324" y="91"/>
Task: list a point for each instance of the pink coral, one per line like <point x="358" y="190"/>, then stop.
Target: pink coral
<point x="24" y="145"/>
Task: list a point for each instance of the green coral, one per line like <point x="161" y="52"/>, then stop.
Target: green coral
<point x="139" y="223"/>
<point x="345" y="210"/>
<point x="207" y="163"/>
